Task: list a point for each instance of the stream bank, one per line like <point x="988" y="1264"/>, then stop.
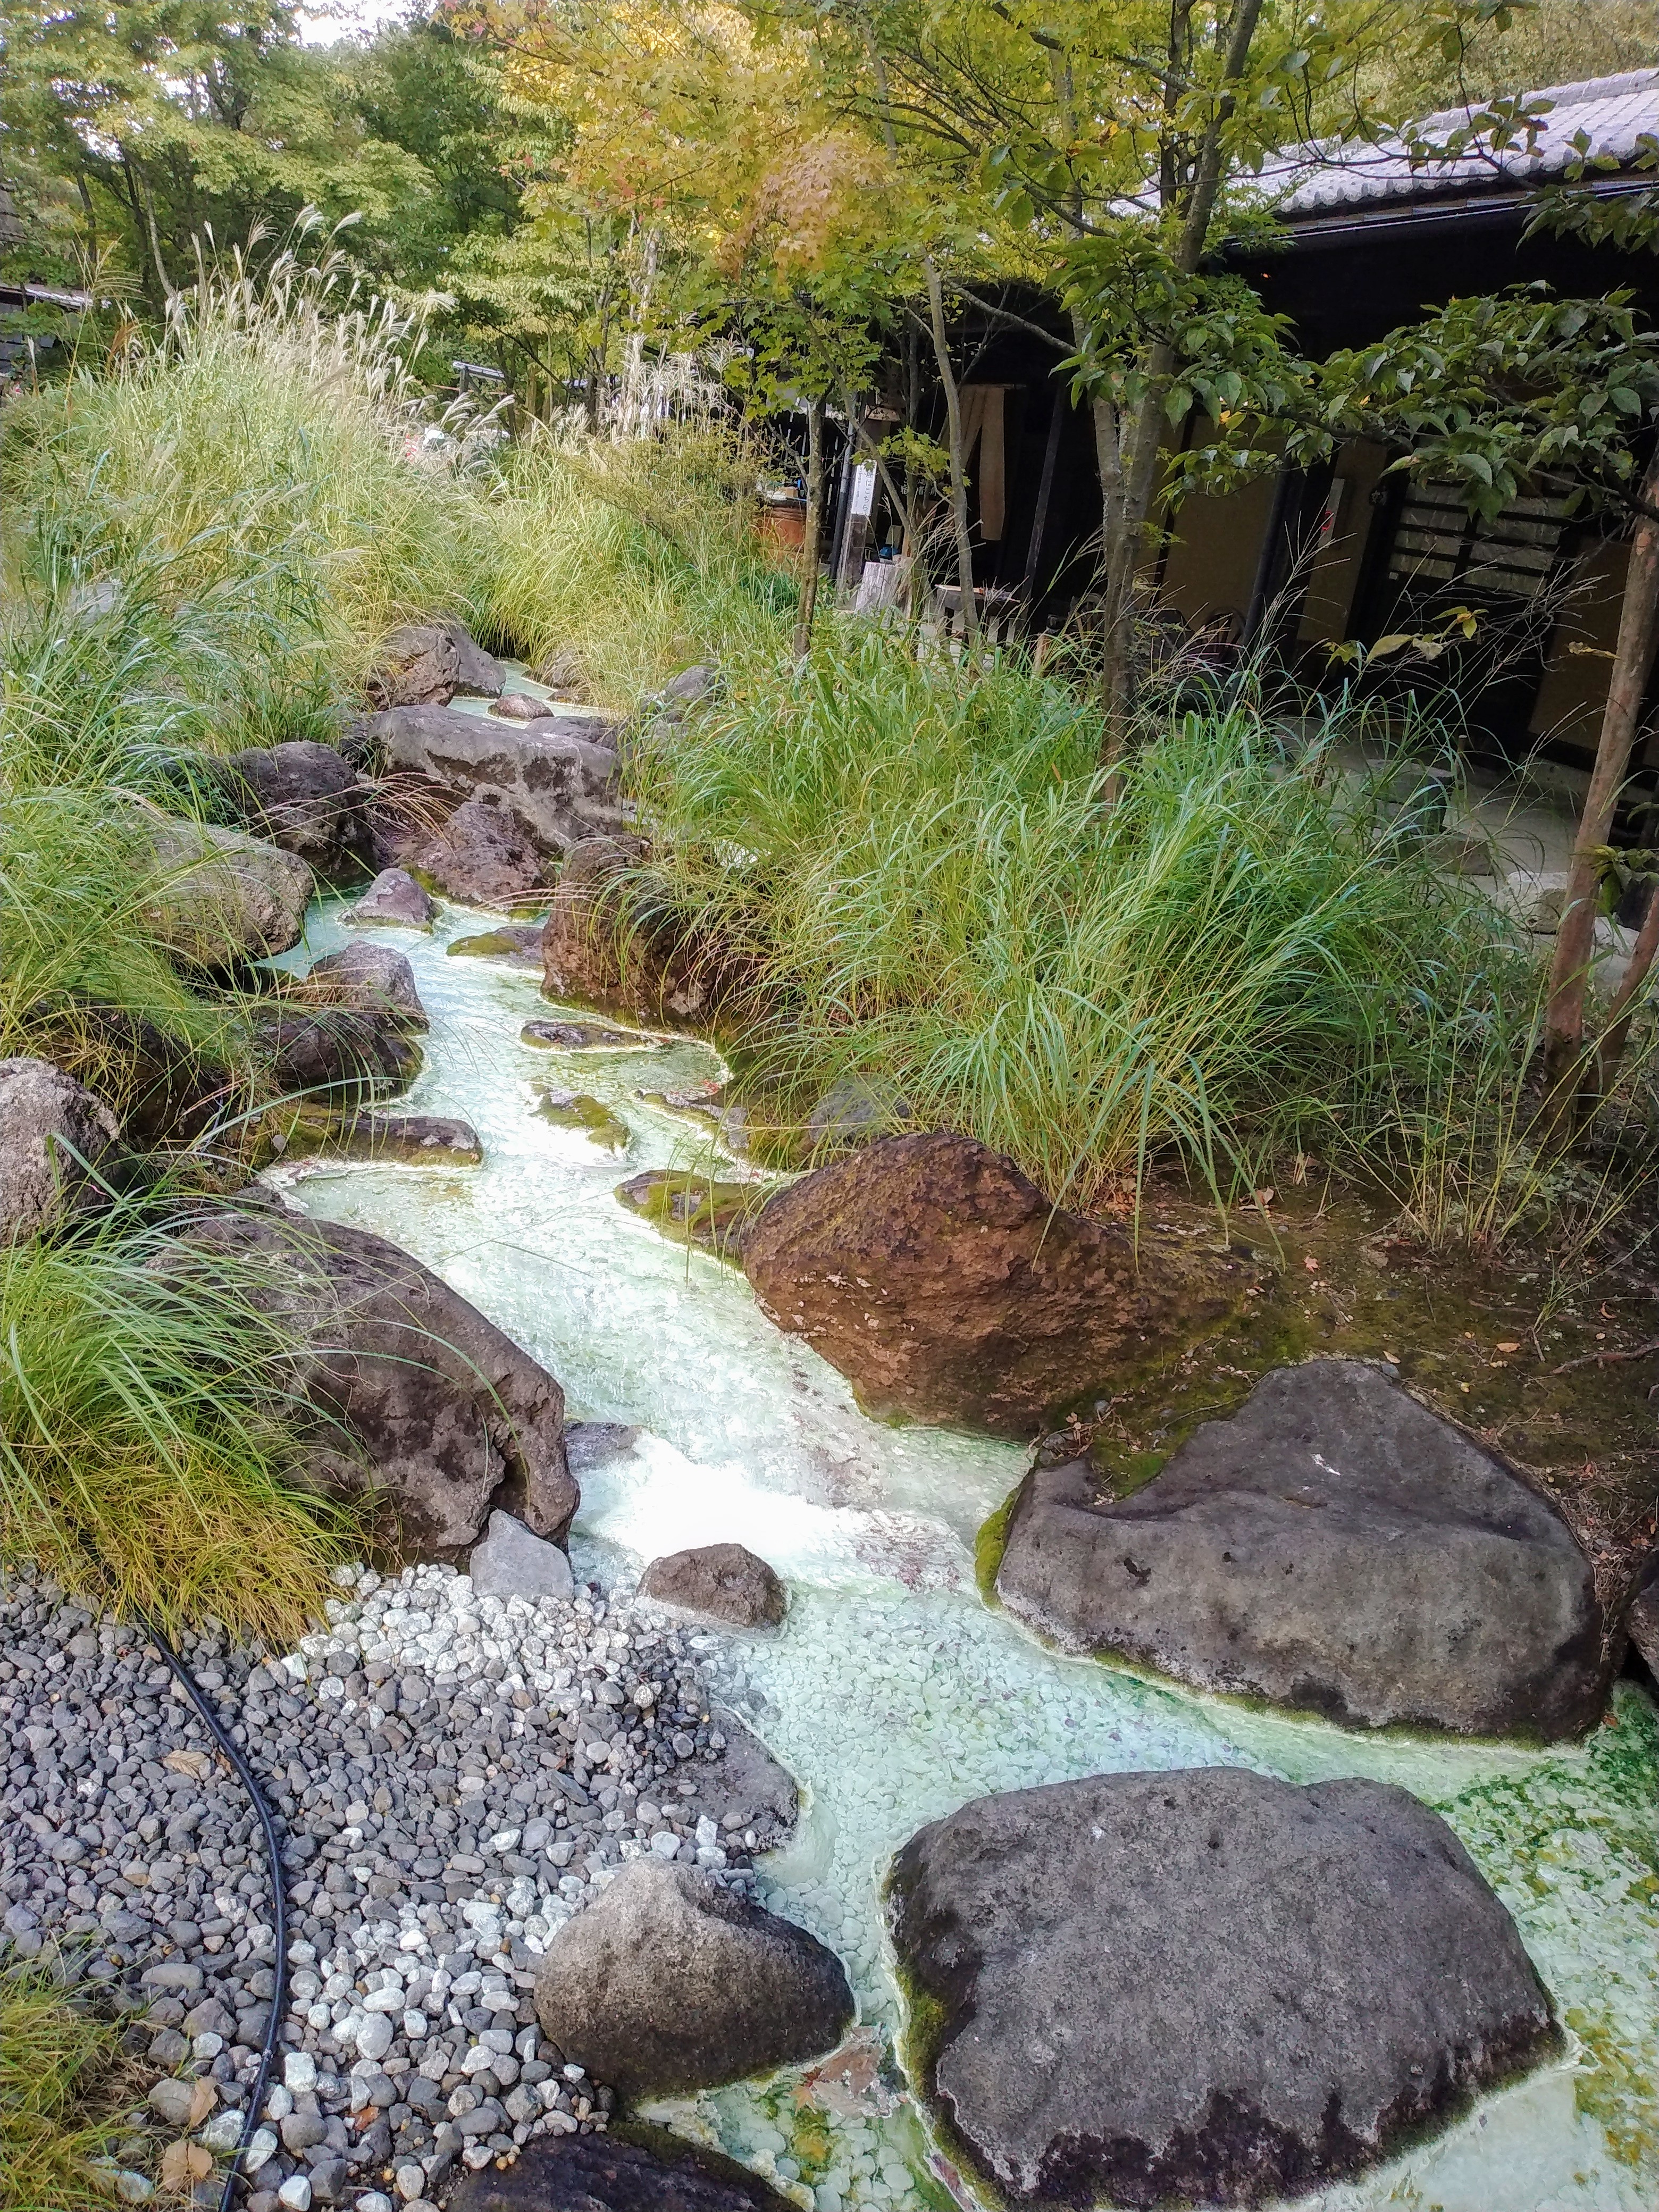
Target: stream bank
<point x="892" y="1692"/>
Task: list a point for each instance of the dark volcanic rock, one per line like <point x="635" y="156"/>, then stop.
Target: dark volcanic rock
<point x="1203" y="1985"/>
<point x="484" y="855"/>
<point x="1643" y="1616"/>
<point x="416" y="664"/>
<point x="394" y="899"/>
<point x="1334" y="1546"/>
<point x="218" y="897"/>
<point x="478" y="674"/>
<point x="305" y="798"/>
<point x="373" y="975"/>
<point x="53" y="1130"/>
<point x="947" y="1288"/>
<point x="584" y="1037"/>
<point x="559" y="774"/>
<point x="635" y="2169"/>
<point x="670" y="1983"/>
<point x="452" y="1417"/>
<point x="744" y="1790"/>
<point x="521" y="942"/>
<point x="347" y="1052"/>
<point x="717" y="1582"/>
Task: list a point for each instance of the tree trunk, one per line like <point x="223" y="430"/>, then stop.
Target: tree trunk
<point x="1611" y="1051"/>
<point x="958" y="460"/>
<point x="809" y="590"/>
<point x="1563" y="1021"/>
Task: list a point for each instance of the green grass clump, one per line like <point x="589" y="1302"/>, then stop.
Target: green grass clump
<point x="52" y="2054"/>
<point x="149" y="1459"/>
<point x="924" y="865"/>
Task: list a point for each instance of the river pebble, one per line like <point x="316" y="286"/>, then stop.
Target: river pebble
<point x="453" y="1776"/>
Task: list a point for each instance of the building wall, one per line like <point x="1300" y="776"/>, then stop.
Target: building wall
<point x="1568" y="709"/>
<point x="1210" y="568"/>
<point x="1334" y="573"/>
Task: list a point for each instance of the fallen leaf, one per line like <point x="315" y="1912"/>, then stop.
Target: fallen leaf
<point x="1508" y="1347"/>
<point x="1310" y="1263"/>
<point x="203" y="2099"/>
<point x="196" y="1763"/>
<point x="175" y="2167"/>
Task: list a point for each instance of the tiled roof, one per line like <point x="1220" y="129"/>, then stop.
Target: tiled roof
<point x="1613" y="111"/>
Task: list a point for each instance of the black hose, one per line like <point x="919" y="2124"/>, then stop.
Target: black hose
<point x="203" y="1706"/>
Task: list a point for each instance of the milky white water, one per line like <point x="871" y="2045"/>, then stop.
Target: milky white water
<point x="891" y="1692"/>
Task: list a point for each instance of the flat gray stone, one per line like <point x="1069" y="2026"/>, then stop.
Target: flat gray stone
<point x="53" y="1130"/>
<point x="512" y="1562"/>
<point x="1202" y="1986"/>
<point x="1333" y="1546"/>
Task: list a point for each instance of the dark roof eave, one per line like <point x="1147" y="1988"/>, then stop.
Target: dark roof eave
<point x="1473" y="211"/>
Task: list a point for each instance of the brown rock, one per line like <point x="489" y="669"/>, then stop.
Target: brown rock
<point x="305" y="798"/>
<point x="370" y="976"/>
<point x="1643" y="1617"/>
<point x="717" y="1582"/>
<point x="610" y="942"/>
<point x="947" y="1288"/>
<point x="690" y="1209"/>
<point x="484" y="855"/>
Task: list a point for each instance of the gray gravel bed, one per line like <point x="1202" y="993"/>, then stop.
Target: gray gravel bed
<point x="454" y="1778"/>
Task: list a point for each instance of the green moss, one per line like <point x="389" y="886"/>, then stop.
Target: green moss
<point x="694" y="1209"/>
<point x="991" y="1542"/>
<point x="574" y="1110"/>
<point x="488" y="944"/>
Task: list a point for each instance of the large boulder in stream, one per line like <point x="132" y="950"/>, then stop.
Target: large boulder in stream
<point x="52" y="1132"/>
<point x="668" y="1983"/>
<point x="559" y="774"/>
<point x="427" y="1402"/>
<point x="947" y="1288"/>
<point x="1333" y="1546"/>
<point x="1203" y="1986"/>
<point x="485" y="855"/>
<point x="376" y="976"/>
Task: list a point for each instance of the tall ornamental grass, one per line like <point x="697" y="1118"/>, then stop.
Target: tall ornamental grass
<point x="148" y="1425"/>
<point x="943" y="900"/>
<point x="56" y="2060"/>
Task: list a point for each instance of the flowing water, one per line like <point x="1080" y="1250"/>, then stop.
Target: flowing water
<point x="892" y="1692"/>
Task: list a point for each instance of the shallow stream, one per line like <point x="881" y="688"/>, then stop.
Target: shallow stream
<point x="892" y="1692"/>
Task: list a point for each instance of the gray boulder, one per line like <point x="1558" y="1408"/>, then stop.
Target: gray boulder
<point x="485" y="855"/>
<point x="350" y="1054"/>
<point x="372" y="975"/>
<point x="1333" y="1546"/>
<point x="559" y="773"/>
<point x="417" y="663"/>
<point x="52" y="1131"/>
<point x="394" y="899"/>
<point x="724" y="1583"/>
<point x="513" y="1562"/>
<point x="478" y="674"/>
<point x="668" y="1982"/>
<point x="305" y="797"/>
<point x="1202" y="1986"/>
<point x="218" y="898"/>
<point x="427" y="1401"/>
<point x="596" y="1444"/>
<point x="691" y="683"/>
<point x="415" y="1140"/>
